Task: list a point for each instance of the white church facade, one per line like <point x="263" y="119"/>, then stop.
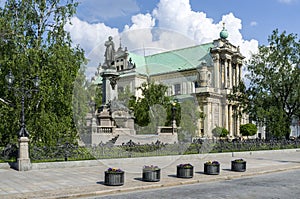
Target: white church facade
<point x="206" y="72"/>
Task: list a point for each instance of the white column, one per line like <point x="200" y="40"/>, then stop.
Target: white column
<point x="230" y="122"/>
<point x="238" y="125"/>
<point x="207" y="120"/>
<point x="235" y="82"/>
<point x="188" y="86"/>
<point x="225" y="116"/>
<point x="199" y="123"/>
<point x="193" y="90"/>
<point x="183" y="90"/>
<point x="230" y="73"/>
<point x="237" y="71"/>
<point x="225" y="73"/>
<point x="216" y="71"/>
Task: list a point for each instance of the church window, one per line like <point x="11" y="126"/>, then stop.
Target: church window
<point x="177" y="89"/>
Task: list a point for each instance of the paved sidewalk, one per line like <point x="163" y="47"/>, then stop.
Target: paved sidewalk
<point x="85" y="178"/>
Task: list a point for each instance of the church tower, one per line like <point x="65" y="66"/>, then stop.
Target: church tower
<point x="227" y="73"/>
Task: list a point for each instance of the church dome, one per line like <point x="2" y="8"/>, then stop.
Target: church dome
<point x="224" y="33"/>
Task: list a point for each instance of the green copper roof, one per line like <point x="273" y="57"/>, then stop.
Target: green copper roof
<point x="170" y="61"/>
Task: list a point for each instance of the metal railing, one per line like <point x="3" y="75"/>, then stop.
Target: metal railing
<point x="68" y="151"/>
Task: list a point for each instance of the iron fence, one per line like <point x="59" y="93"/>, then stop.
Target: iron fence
<point x="68" y="151"/>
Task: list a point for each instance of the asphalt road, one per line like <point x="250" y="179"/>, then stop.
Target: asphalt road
<point x="283" y="185"/>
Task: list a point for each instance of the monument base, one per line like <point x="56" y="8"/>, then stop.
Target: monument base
<point x="23" y="164"/>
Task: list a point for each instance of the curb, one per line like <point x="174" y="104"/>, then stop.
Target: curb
<point x="170" y="184"/>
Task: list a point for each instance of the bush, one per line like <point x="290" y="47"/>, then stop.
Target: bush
<point x="220" y="132"/>
<point x="248" y="129"/>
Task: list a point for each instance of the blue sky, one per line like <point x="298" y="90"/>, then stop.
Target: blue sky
<point x="159" y="25"/>
<point x="249" y="23"/>
<point x="259" y="17"/>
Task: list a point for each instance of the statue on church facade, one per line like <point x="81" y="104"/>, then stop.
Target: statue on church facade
<point x="109" y="52"/>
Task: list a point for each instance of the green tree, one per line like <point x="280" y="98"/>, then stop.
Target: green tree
<point x="220" y="132"/>
<point x="248" y="129"/>
<point x="189" y="118"/>
<point x="33" y="42"/>
<point x="272" y="98"/>
<point x="146" y="108"/>
<point x="240" y="98"/>
<point x="82" y="101"/>
<point x="125" y="95"/>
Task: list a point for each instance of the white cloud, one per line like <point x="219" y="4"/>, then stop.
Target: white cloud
<point x="91" y="38"/>
<point x="177" y="15"/>
<point x="172" y="24"/>
<point x="144" y="38"/>
<point x="141" y="21"/>
<point x="253" y="23"/>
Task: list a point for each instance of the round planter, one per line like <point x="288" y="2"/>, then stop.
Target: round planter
<point x="212" y="169"/>
<point x="114" y="179"/>
<point x="238" y="166"/>
<point x="183" y="172"/>
<point x="151" y="175"/>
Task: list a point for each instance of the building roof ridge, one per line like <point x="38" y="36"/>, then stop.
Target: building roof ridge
<point x="179" y="49"/>
<point x="170" y="51"/>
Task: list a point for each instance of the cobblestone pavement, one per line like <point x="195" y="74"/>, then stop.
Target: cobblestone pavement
<point x="85" y="178"/>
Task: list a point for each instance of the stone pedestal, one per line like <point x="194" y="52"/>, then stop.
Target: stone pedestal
<point x="24" y="163"/>
<point x="109" y="85"/>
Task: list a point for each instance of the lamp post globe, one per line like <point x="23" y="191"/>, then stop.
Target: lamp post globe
<point x="10" y="78"/>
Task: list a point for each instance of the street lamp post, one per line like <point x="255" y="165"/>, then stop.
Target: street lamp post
<point x="23" y="162"/>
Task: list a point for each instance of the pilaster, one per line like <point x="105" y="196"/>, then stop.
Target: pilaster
<point x="230" y="121"/>
<point x="216" y="58"/>
<point x="225" y="73"/>
<point x="225" y="115"/>
<point x="240" y="73"/>
<point x="230" y="73"/>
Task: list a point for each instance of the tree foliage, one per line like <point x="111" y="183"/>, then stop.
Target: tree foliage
<point x="273" y="96"/>
<point x="153" y="107"/>
<point x="189" y="119"/>
<point x="82" y="100"/>
<point x="33" y="42"/>
<point x="248" y="129"/>
<point x="220" y="131"/>
<point x="125" y="95"/>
